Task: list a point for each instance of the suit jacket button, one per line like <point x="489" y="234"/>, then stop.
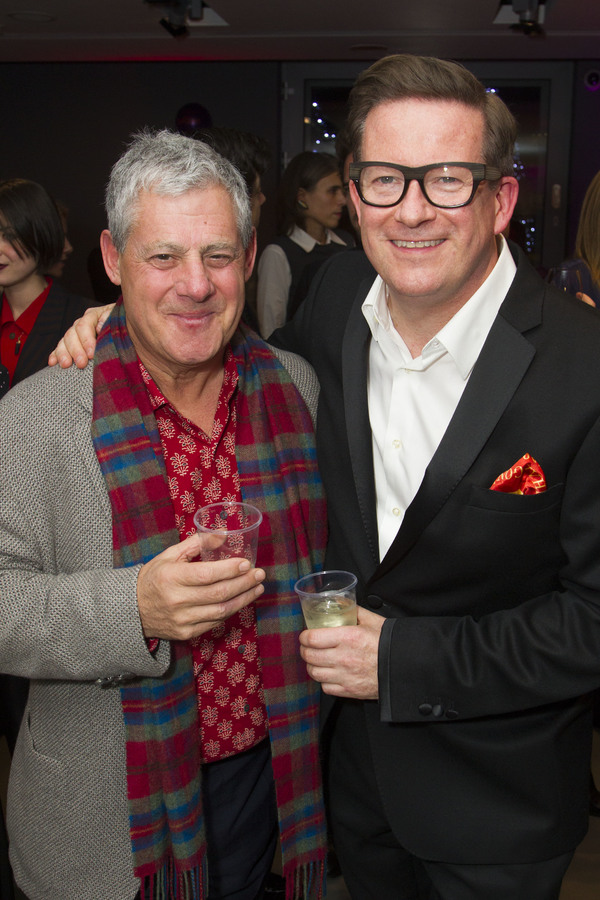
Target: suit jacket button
<point x="425" y="709"/>
<point x="438" y="710"/>
<point x="452" y="714"/>
<point x="374" y="601"/>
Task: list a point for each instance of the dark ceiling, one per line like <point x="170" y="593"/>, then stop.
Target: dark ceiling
<point x="53" y="30"/>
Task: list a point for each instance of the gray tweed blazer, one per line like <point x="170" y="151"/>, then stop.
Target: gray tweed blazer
<point x="69" y="622"/>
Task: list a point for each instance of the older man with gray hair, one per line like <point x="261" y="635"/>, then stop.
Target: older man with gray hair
<point x="170" y="735"/>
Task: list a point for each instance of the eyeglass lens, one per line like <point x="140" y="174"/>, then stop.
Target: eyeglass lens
<point x="444" y="185"/>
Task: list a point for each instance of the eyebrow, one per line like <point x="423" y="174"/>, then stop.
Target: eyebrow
<point x="169" y="247"/>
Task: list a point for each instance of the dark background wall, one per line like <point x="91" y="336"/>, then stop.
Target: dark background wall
<point x="65" y="124"/>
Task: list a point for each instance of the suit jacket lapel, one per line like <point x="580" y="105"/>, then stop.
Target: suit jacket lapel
<point x="502" y="363"/>
<point x="42" y="339"/>
<point x="355" y="360"/>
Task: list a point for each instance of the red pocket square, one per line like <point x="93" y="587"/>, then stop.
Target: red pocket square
<point x="525" y="477"/>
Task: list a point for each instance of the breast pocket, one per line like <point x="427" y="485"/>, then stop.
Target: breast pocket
<point x="516" y="504"/>
<point x="514" y="541"/>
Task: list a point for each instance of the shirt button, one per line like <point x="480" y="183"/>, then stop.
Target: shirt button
<point x="241" y="648"/>
<point x="246" y="707"/>
<point x="396" y="444"/>
<point x="397" y="511"/>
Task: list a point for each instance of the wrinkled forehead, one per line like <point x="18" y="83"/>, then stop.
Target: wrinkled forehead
<point x="208" y="201"/>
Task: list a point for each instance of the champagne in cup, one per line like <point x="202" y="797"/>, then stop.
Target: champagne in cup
<point x="328" y="599"/>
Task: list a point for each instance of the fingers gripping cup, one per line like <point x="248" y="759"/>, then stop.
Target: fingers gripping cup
<point x="233" y="528"/>
<point x="328" y="599"/>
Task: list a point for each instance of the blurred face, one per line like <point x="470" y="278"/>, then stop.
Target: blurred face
<point x="15" y="270"/>
<point x="182" y="275"/>
<point x="431" y="257"/>
<point x="325" y="203"/>
<point x="58" y="268"/>
<point x="257" y="198"/>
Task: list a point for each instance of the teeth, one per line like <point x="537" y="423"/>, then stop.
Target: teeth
<point x="412" y="244"/>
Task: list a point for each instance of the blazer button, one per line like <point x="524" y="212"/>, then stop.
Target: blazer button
<point x="452" y="714"/>
<point x="425" y="709"/>
<point x="438" y="710"/>
<point x="374" y="601"/>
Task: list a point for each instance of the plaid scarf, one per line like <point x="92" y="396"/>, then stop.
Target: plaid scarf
<point x="276" y="459"/>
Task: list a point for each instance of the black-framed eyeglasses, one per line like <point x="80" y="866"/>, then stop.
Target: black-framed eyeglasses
<point x="446" y="185"/>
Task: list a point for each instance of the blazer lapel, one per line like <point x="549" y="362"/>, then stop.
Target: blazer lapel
<point x="502" y="363"/>
<point x="81" y="435"/>
<point x="355" y="360"/>
<point x="42" y="339"/>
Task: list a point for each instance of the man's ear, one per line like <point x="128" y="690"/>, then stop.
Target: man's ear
<point x="250" y="256"/>
<point x="110" y="255"/>
<point x="355" y="200"/>
<point x="506" y="193"/>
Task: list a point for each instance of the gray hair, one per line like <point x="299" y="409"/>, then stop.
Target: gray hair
<point x="169" y="165"/>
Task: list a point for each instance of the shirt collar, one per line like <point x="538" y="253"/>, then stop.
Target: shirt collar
<point x="308" y="243"/>
<point x="158" y="399"/>
<point x="464" y="335"/>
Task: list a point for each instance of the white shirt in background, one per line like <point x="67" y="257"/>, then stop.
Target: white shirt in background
<point x="275" y="278"/>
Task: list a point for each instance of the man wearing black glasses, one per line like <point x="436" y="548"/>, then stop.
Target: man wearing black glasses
<point x="458" y="437"/>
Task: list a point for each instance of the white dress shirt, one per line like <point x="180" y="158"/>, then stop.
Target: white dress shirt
<point x="275" y="278"/>
<point x="411" y="401"/>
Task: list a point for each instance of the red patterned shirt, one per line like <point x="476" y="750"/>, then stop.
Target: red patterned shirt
<point x="202" y="469"/>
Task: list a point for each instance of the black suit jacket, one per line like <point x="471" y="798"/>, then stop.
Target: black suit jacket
<point x="56" y="315"/>
<point x="481" y="737"/>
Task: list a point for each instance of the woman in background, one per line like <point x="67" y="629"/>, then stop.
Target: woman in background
<point x="586" y="261"/>
<point x="310" y="204"/>
<point x="34" y="310"/>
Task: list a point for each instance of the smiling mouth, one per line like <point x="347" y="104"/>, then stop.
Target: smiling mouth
<point x="412" y="245"/>
<point x="193" y="314"/>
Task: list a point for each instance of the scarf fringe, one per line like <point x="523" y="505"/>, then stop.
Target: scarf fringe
<point x="306" y="882"/>
<point x="168" y="884"/>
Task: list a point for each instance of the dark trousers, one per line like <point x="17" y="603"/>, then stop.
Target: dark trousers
<point x="240" y="816"/>
<point x="376" y="867"/>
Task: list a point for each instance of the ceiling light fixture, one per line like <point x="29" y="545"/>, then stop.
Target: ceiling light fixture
<point x="525" y="16"/>
<point x="178" y="13"/>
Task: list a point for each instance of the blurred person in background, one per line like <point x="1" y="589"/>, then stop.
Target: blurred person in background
<point x="57" y="270"/>
<point x="34" y="309"/>
<point x="584" y="266"/>
<point x="310" y="204"/>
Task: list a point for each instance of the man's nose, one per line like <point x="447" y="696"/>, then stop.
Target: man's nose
<point x="414" y="207"/>
<point x="195" y="280"/>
